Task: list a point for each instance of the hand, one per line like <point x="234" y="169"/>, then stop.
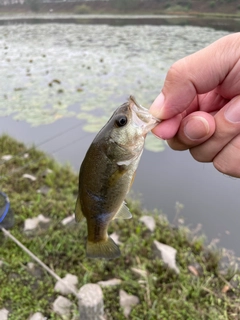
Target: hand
<point x="200" y="105"/>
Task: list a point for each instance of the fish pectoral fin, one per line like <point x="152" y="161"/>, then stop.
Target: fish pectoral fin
<point x="78" y="211"/>
<point x="106" y="249"/>
<point x="123" y="212"/>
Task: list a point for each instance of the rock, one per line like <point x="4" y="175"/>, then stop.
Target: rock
<point x="110" y="283"/>
<point x="37" y="316"/>
<point x="127" y="302"/>
<point x="68" y="220"/>
<point x="67" y="285"/>
<point x="91" y="302"/>
<point x="149" y="222"/>
<point x="4" y="314"/>
<point x="7" y="157"/>
<point x="31" y="224"/>
<point x="26" y="155"/>
<point x="139" y="272"/>
<point x="35" y="270"/>
<point x="43" y="190"/>
<point x="46" y="172"/>
<point x="167" y="254"/>
<point x="29" y="176"/>
<point x="115" y="238"/>
<point x="62" y="306"/>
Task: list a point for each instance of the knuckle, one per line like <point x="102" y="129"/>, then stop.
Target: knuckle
<point x="176" y="145"/>
<point x="221" y="165"/>
<point x="199" y="155"/>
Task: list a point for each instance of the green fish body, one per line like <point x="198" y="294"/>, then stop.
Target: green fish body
<point x="107" y="173"/>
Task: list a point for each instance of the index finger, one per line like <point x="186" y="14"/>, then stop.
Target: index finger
<point x="196" y="74"/>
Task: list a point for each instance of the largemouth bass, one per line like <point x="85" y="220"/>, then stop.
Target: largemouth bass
<point x="107" y="173"/>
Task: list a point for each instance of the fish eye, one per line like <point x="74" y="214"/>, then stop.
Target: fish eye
<point x="121" y="121"/>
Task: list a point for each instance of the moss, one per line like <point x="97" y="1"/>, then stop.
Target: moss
<point x="163" y="294"/>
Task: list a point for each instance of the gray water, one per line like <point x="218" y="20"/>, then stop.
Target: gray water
<point x="55" y="76"/>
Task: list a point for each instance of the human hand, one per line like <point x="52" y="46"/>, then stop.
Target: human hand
<point x="200" y="105"/>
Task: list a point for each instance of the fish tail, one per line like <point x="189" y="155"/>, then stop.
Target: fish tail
<point x="106" y="249"/>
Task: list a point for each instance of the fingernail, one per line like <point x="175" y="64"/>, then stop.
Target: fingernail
<point x="196" y="128"/>
<point x="232" y="113"/>
<point x="157" y="106"/>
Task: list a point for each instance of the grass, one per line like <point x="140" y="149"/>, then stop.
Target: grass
<point x="163" y="294"/>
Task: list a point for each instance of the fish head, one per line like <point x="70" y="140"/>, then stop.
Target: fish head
<point x="130" y="123"/>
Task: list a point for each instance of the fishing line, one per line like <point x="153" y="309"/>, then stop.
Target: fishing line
<point x="43" y="142"/>
<point x="51" y="153"/>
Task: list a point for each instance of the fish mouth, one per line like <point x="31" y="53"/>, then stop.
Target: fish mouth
<point x="142" y="117"/>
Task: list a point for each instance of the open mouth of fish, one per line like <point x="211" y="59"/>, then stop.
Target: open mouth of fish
<point x="142" y="117"/>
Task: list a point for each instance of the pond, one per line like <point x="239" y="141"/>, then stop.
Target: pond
<point x="60" y="83"/>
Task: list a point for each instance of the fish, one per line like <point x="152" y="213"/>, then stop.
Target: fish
<point x="107" y="174"/>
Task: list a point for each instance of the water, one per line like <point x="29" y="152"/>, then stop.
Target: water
<point x="56" y="76"/>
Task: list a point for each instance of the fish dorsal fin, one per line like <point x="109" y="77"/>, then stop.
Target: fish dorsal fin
<point x="123" y="212"/>
<point x="78" y="211"/>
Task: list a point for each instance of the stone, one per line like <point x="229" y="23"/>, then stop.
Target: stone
<point x="91" y="302"/>
<point x="140" y="272"/>
<point x="35" y="270"/>
<point x="68" y="220"/>
<point x="7" y="157"/>
<point x="37" y="316"/>
<point x="115" y="238"/>
<point x="43" y="190"/>
<point x="62" y="306"/>
<point x="127" y="302"/>
<point x="110" y="283"/>
<point x="46" y="172"/>
<point x="29" y="176"/>
<point x="149" y="222"/>
<point x="167" y="254"/>
<point x="67" y="284"/>
<point x="4" y="314"/>
<point x="32" y="224"/>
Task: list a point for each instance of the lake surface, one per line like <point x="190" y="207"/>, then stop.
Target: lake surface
<point x="66" y="79"/>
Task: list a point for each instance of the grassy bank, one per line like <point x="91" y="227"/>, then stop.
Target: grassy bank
<point x="163" y="294"/>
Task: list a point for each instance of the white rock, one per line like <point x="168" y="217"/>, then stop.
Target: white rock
<point x="7" y="157"/>
<point x="149" y="222"/>
<point x="37" y="316"/>
<point x="140" y="272"/>
<point x="29" y="176"/>
<point x="26" y="155"/>
<point x="46" y="172"/>
<point x="68" y="220"/>
<point x="127" y="301"/>
<point x="31" y="224"/>
<point x="4" y="314"/>
<point x="115" y="238"/>
<point x="62" y="306"/>
<point x="67" y="285"/>
<point x="43" y="219"/>
<point x="91" y="302"/>
<point x="168" y="255"/>
<point x="110" y="283"/>
<point x="31" y="266"/>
